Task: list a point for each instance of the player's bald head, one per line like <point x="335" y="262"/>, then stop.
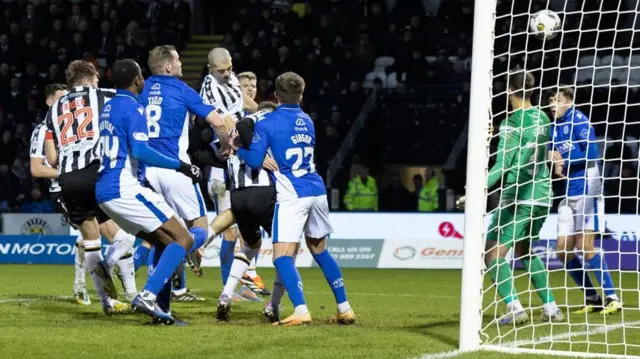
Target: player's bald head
<point x="220" y="65"/>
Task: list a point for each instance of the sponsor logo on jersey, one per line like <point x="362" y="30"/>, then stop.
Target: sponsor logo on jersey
<point x="156" y="87"/>
<point x="140" y="136"/>
<point x="36" y="226"/>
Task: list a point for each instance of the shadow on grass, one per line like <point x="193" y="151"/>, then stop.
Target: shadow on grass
<point x="439" y="331"/>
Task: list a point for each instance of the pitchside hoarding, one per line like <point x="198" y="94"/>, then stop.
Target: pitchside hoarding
<point x="369" y="240"/>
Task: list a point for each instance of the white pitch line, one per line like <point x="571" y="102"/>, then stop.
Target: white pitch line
<point x="391" y="295"/>
<point x="45" y="299"/>
<point x="600" y="329"/>
<point x="14" y="300"/>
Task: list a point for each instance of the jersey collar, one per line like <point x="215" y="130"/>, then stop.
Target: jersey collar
<point x="289" y="106"/>
<point x="126" y="93"/>
<point x="568" y="115"/>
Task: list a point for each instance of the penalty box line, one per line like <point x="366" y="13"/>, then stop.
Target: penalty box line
<point x="513" y="346"/>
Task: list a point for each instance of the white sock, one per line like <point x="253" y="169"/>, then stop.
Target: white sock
<point x="251" y="271"/>
<point x="238" y="267"/>
<point x="613" y="297"/>
<point x="301" y="309"/>
<point x="211" y="235"/>
<point x="148" y="295"/>
<point x="550" y="308"/>
<point x="180" y="291"/>
<point x="127" y="274"/>
<point x="80" y="268"/>
<point x="344" y="307"/>
<point x="122" y="243"/>
<point x="515" y="306"/>
<point x="277" y="292"/>
<point x="92" y="256"/>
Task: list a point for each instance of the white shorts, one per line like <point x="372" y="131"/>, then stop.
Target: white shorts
<point x="179" y="191"/>
<point x="138" y="209"/>
<point x="577" y="214"/>
<point x="295" y="217"/>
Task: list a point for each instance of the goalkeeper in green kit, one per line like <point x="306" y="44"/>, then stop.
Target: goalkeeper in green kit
<point x="522" y="165"/>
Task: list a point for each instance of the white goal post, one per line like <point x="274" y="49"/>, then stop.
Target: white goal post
<point x="579" y="334"/>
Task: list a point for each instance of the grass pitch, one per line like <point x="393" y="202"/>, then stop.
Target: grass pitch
<point x="401" y="314"/>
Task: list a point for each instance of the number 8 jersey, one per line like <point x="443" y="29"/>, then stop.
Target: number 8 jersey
<point x="73" y="122"/>
<point x="289" y="134"/>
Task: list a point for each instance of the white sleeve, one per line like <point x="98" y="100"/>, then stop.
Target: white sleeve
<point x="37" y="141"/>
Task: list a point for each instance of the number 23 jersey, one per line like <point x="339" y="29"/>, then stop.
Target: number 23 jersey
<point x="289" y="134"/>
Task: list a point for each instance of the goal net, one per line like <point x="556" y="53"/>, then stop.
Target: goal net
<point x="552" y="192"/>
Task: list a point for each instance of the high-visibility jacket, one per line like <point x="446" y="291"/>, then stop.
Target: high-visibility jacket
<point x="362" y="196"/>
<point x="428" y="200"/>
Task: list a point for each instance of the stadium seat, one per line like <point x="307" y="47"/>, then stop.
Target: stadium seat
<point x="588" y="61"/>
<point x="384" y="61"/>
<point x="602" y="76"/>
<point x="392" y="80"/>
<point x="584" y="75"/>
<point x="621" y="74"/>
<point x="380" y="69"/>
<point x="634" y="77"/>
<point x="371" y="76"/>
<point x="613" y="61"/>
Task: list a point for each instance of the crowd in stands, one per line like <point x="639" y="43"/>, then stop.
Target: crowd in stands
<point x="413" y="59"/>
<point x="37" y="41"/>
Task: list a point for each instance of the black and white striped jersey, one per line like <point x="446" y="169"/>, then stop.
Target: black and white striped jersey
<point x="37" y="151"/>
<point x="73" y="121"/>
<point x="226" y="98"/>
<point x="240" y="174"/>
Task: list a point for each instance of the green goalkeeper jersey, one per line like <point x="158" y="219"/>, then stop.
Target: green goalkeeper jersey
<point x="522" y="158"/>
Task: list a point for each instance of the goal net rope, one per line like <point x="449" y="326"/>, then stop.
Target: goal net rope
<point x="543" y="277"/>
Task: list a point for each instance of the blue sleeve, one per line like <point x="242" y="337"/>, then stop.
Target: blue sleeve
<point x="194" y="103"/>
<point x="254" y="156"/>
<point x="138" y="137"/>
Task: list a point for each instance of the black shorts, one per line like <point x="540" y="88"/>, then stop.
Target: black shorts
<point x="253" y="208"/>
<point x="62" y="208"/>
<point x="79" y="193"/>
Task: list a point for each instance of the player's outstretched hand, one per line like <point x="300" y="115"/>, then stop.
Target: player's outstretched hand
<point x="461" y="202"/>
<point x="191" y="171"/>
<point x="270" y="164"/>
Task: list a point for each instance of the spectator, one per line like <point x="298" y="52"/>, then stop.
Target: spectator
<point x="16" y="102"/>
<point x="7" y="52"/>
<point x="35" y="203"/>
<point x="9" y="189"/>
<point x="429" y="200"/>
<point x="362" y="192"/>
<point x="417" y="187"/>
<point x="396" y="198"/>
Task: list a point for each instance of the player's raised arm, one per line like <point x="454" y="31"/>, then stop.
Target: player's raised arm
<point x="198" y="106"/>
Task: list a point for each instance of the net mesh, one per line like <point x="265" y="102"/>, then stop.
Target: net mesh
<point x="596" y="55"/>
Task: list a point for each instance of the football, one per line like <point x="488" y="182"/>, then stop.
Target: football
<point x="545" y="24"/>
